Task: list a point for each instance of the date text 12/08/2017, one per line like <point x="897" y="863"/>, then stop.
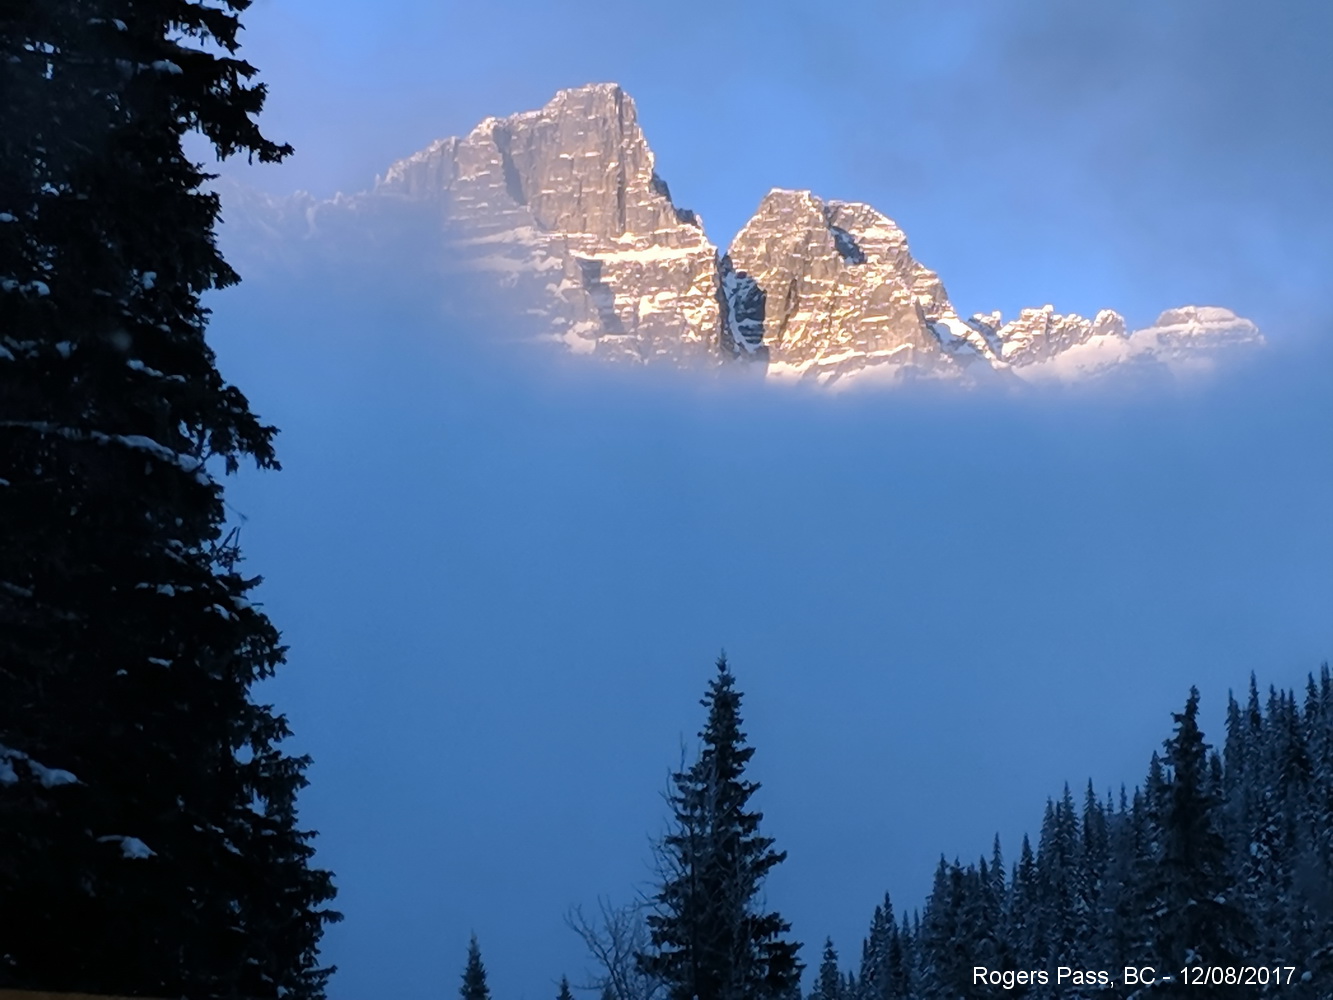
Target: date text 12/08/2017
<point x="1145" y="975"/>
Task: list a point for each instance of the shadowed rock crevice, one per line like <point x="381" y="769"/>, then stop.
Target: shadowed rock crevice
<point x="659" y="186"/>
<point x="601" y="295"/>
<point x="742" y="304"/>
<point x="846" y="246"/>
<point x="512" y="179"/>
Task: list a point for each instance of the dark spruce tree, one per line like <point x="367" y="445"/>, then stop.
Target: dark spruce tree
<point x="1095" y="855"/>
<point x="709" y="939"/>
<point x="564" y="993"/>
<point x="1119" y="914"/>
<point x="474" y="975"/>
<point x="148" y="836"/>
<point x="881" y="957"/>
<point x="829" y="984"/>
<point x="909" y="977"/>
<point x="1024" y="899"/>
<point x="1197" y="921"/>
<point x="1059" y="880"/>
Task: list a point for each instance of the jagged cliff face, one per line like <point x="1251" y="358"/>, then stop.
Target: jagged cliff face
<point x="843" y="298"/>
<point x="1038" y="335"/>
<point x="839" y="285"/>
<point x="560" y="214"/>
<point x="563" y="207"/>
<point x="1191" y="338"/>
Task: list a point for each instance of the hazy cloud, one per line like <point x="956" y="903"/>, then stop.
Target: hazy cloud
<point x="504" y="575"/>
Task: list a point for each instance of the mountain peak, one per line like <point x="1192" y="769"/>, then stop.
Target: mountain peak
<point x="579" y="164"/>
<point x="611" y="90"/>
<point x="841" y="286"/>
<point x="564" y="209"/>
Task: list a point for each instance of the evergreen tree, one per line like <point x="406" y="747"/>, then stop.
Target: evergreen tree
<point x="1060" y="877"/>
<point x="709" y="940"/>
<point x="1093" y="861"/>
<point x="1216" y="857"/>
<point x="148" y="836"/>
<point x="950" y="929"/>
<point x="474" y="975"/>
<point x="1199" y="923"/>
<point x="829" y="983"/>
<point x="1240" y="785"/>
<point x="938" y="935"/>
<point x="1118" y="911"/>
<point x="998" y="890"/>
<point x="908" y="936"/>
<point x="1315" y="876"/>
<point x="990" y="947"/>
<point x="1143" y="899"/>
<point x="900" y="978"/>
<point x="564" y="993"/>
<point x="1025" y="896"/>
<point x="872" y="984"/>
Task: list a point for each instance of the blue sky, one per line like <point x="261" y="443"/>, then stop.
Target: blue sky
<point x="504" y="582"/>
<point x="1130" y="154"/>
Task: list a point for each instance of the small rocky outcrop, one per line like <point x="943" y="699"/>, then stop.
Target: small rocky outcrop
<point x="1039" y="334"/>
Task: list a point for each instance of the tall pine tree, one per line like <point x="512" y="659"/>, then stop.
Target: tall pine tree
<point x="1199" y="922"/>
<point x="148" y="836"/>
<point x="829" y="983"/>
<point x="474" y="975"/>
<point x="709" y="938"/>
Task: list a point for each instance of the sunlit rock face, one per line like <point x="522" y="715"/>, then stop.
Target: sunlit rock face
<point x="1039" y="334"/>
<point x="563" y="207"/>
<point x="841" y="289"/>
<point x="1189" y="339"/>
<point x="1194" y="327"/>
<point x="564" y="232"/>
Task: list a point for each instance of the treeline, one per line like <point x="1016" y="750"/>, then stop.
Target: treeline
<point x="1222" y="859"/>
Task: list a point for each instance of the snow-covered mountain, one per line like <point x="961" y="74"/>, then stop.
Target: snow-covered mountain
<point x="559" y="219"/>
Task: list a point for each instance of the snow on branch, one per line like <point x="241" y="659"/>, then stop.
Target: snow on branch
<point x="137" y="442"/>
<point x="47" y="777"/>
<point x="130" y="847"/>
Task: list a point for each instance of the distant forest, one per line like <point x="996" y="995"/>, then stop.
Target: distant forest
<point x="1221" y="859"/>
<point x="1217" y="871"/>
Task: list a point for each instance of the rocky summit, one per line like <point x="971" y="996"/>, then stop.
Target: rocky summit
<point x="563" y="220"/>
<point x="564" y="207"/>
